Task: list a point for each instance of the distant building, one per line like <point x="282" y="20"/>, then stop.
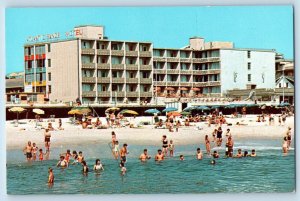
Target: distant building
<point x="94" y="69"/>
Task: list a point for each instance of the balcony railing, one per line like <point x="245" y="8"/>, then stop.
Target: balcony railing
<point x="213" y="59"/>
<point x="118" y="66"/>
<point x="173" y="83"/>
<point x="119" y="93"/>
<point x="88" y="65"/>
<point x="187" y="60"/>
<point x="103" y="80"/>
<point x="103" y="93"/>
<point x="89" y="94"/>
<point x="172" y="59"/>
<point x="214" y="71"/>
<point x="103" y="52"/>
<point x="200" y="72"/>
<point x="146" y="80"/>
<point x="200" y="84"/>
<point x="146" y="94"/>
<point x="162" y="71"/>
<point x="160" y="83"/>
<point x="89" y="79"/>
<point x="27" y="71"/>
<point x="88" y="51"/>
<point x="40" y="70"/>
<point x="159" y="59"/>
<point x="132" y="80"/>
<point x="173" y="71"/>
<point x="117" y="80"/>
<point x="103" y="66"/>
<point x="117" y="52"/>
<point x="185" y="84"/>
<point x="132" y="53"/>
<point x="186" y="72"/>
<point x="213" y="83"/>
<point x="203" y="60"/>
<point x="145" y="54"/>
<point x="132" y="94"/>
<point x="131" y="67"/>
<point x="145" y="67"/>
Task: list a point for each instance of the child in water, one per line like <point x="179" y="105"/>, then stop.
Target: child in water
<point x="51" y="176"/>
<point x="116" y="150"/>
<point x="34" y="151"/>
<point x="181" y="157"/>
<point x="98" y="165"/>
<point x="253" y="154"/>
<point x="85" y="168"/>
<point x="171" y="148"/>
<point x="41" y="154"/>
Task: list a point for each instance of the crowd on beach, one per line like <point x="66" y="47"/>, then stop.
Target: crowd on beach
<point x="167" y="150"/>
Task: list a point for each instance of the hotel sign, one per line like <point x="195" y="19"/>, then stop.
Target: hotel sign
<point x="54" y="36"/>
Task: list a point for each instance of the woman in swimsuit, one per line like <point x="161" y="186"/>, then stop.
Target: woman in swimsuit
<point x="207" y="144"/>
<point x="171" y="148"/>
<point x="116" y="150"/>
<point x="285" y="145"/>
<point x="165" y="145"/>
<point x="34" y="151"/>
<point x="98" y="166"/>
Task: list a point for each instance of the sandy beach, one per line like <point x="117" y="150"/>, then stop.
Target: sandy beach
<point x="17" y="137"/>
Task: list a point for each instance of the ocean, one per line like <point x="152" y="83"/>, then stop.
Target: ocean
<point x="270" y="171"/>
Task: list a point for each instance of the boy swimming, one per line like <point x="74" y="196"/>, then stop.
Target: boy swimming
<point x="215" y="154"/>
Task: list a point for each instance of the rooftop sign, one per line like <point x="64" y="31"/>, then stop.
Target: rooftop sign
<point x="54" y="36"/>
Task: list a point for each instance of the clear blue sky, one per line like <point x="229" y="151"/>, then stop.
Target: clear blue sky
<point x="269" y="27"/>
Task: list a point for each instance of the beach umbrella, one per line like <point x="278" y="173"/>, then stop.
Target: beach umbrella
<point x="38" y="111"/>
<point x="74" y="112"/>
<point x="183" y="89"/>
<point x="170" y="109"/>
<point x="83" y="110"/>
<point x="189" y="109"/>
<point x="175" y="114"/>
<point x="251" y="105"/>
<point x="202" y="107"/>
<point x="263" y="106"/>
<point x="195" y="89"/>
<point x="112" y="109"/>
<point x="283" y="105"/>
<point x="152" y="111"/>
<point x="17" y="110"/>
<point x="185" y="113"/>
<point x="129" y="112"/>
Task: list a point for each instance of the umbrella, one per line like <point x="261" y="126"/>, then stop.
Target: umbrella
<point x="185" y="113"/>
<point x="263" y="106"/>
<point x="175" y="114"/>
<point x="183" y="88"/>
<point x="38" y="111"/>
<point x="189" y="109"/>
<point x="170" y="89"/>
<point x="195" y="89"/>
<point x="129" y="112"/>
<point x="17" y="110"/>
<point x="202" y="107"/>
<point x="83" y="110"/>
<point x="152" y="111"/>
<point x="283" y="105"/>
<point x="75" y="111"/>
<point x="170" y="109"/>
<point x="112" y="109"/>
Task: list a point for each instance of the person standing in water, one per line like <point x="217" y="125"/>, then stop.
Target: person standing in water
<point x="123" y="168"/>
<point x="289" y="137"/>
<point x="50" y="176"/>
<point x="124" y="152"/>
<point x="171" y="148"/>
<point x="28" y="151"/>
<point x="207" y="145"/>
<point x="159" y="156"/>
<point x="164" y="145"/>
<point x="144" y="156"/>
<point x="199" y="154"/>
<point x="34" y="151"/>
<point x="285" y="145"/>
<point x="98" y="165"/>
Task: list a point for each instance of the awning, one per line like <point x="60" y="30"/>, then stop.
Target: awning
<point x="183" y="88"/>
<point x="195" y="89"/>
<point x="170" y="89"/>
<point x="156" y="88"/>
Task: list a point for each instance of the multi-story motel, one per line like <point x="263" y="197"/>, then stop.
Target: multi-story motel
<point x="97" y="70"/>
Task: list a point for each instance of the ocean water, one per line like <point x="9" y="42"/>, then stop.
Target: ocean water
<point x="270" y="171"/>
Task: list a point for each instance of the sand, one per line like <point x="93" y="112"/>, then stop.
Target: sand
<point x="16" y="138"/>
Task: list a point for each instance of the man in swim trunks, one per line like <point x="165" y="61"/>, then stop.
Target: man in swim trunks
<point x="239" y="154"/>
<point x="123" y="152"/>
<point x="28" y="151"/>
<point x="51" y="176"/>
<point x="159" y="156"/>
<point x="219" y="136"/>
<point x="144" y="156"/>
<point x="47" y="140"/>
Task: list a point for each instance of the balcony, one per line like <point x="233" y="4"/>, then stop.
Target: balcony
<point x="103" y="52"/>
<point x="132" y="53"/>
<point x="88" y="79"/>
<point x="214" y="71"/>
<point x="159" y="71"/>
<point x="172" y="71"/>
<point x="131" y="67"/>
<point x="132" y="80"/>
<point x="200" y="60"/>
<point x="103" y="66"/>
<point x="88" y="66"/>
<point x="145" y="54"/>
<point x="200" y="72"/>
<point x="213" y="83"/>
<point x="186" y="72"/>
<point x="103" y="80"/>
<point x="88" y="51"/>
<point x="103" y="93"/>
<point x="146" y="94"/>
<point x="29" y="70"/>
<point x="118" y="93"/>
<point x="186" y="84"/>
<point x="88" y="94"/>
<point x="117" y="52"/>
<point x="172" y="59"/>
<point x="173" y="83"/>
<point x="118" y="80"/>
<point x="185" y="60"/>
<point x="40" y="70"/>
<point x="146" y="81"/>
<point x="213" y="59"/>
<point x="145" y="67"/>
<point x="117" y="66"/>
<point x="200" y="84"/>
<point x="159" y="59"/>
<point x="160" y="83"/>
<point x="132" y="94"/>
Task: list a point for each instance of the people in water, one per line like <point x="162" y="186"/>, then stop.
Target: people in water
<point x="98" y="165"/>
<point x="62" y="162"/>
<point x="171" y="148"/>
<point x="207" y="145"/>
<point x="164" y="145"/>
<point x="41" y="154"/>
<point x="285" y="145"/>
<point x="80" y="157"/>
<point x="159" y="156"/>
<point x="123" y="168"/>
<point x="199" y="154"/>
<point x="85" y="168"/>
<point x="144" y="156"/>
<point x="116" y="149"/>
<point x="34" y="151"/>
<point x="50" y="176"/>
<point x="28" y="151"/>
<point x="181" y="157"/>
<point x="124" y="152"/>
<point x="216" y="154"/>
<point x="239" y="154"/>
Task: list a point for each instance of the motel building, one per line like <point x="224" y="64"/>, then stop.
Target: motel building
<point x="85" y="64"/>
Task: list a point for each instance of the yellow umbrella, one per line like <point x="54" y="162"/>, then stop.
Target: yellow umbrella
<point x="129" y="112"/>
<point x="17" y="110"/>
<point x="112" y="109"/>
<point x="73" y="112"/>
<point x="38" y="111"/>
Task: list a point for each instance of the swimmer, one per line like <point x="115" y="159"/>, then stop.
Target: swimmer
<point x="67" y="155"/>
<point x="123" y="168"/>
<point x="47" y="135"/>
<point x="34" y="151"/>
<point x="116" y="150"/>
<point x="181" y="157"/>
<point x="41" y="155"/>
<point x="85" y="168"/>
<point x="212" y="162"/>
<point x="171" y="148"/>
<point x="253" y="153"/>
<point x="207" y="145"/>
<point x="285" y="145"/>
<point x="62" y="162"/>
<point x="159" y="156"/>
<point x="28" y="151"/>
<point x="80" y="157"/>
<point x="75" y="157"/>
<point x="246" y="154"/>
<point x="124" y="152"/>
<point x="51" y="176"/>
<point x="113" y="139"/>
<point x="144" y="156"/>
<point x="164" y="145"/>
<point x="199" y="154"/>
<point x="215" y="154"/>
<point x="239" y="154"/>
<point x="98" y="165"/>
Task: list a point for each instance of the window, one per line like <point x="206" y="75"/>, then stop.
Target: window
<point x="49" y="47"/>
<point x="144" y="48"/>
<point x="49" y="76"/>
<point x="287" y="85"/>
<point x="249" y="54"/>
<point x="144" y="62"/>
<point x="49" y="88"/>
<point x="49" y="62"/>
<point x="249" y="66"/>
<point x="279" y="85"/>
<point x="102" y="47"/>
<point x="249" y="77"/>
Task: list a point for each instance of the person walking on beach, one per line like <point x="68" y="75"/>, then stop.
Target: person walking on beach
<point x="283" y="119"/>
<point x="144" y="156"/>
<point x="28" y="151"/>
<point x="279" y="120"/>
<point x="47" y="135"/>
<point x="207" y="145"/>
<point x="159" y="156"/>
<point x="164" y="145"/>
<point x="177" y="125"/>
<point x="219" y="136"/>
<point x="124" y="152"/>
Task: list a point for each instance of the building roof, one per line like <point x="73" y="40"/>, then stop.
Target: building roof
<point x="14" y="83"/>
<point x="288" y="78"/>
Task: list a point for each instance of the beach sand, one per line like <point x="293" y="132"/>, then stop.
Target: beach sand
<point x="75" y="135"/>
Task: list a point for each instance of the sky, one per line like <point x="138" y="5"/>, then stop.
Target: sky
<point x="263" y="27"/>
